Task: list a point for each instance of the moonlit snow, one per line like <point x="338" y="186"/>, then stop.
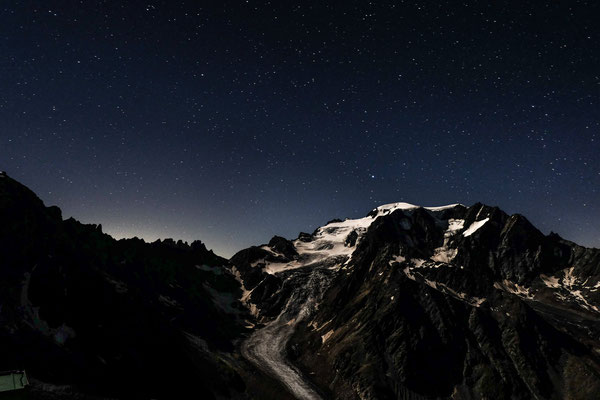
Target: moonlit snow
<point x="329" y="241"/>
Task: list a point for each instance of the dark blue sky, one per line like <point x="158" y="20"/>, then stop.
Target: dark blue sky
<point x="230" y="122"/>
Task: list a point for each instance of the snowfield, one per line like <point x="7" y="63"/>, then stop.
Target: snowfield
<point x="330" y="241"/>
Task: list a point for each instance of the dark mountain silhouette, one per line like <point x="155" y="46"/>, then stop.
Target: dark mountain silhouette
<point x="84" y="313"/>
<point x="406" y="303"/>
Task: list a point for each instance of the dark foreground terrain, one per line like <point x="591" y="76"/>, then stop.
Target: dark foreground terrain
<point x="406" y="303"/>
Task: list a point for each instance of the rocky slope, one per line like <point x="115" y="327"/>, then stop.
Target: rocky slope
<point x="406" y="303"/>
<point x="86" y="315"/>
<point x="425" y="303"/>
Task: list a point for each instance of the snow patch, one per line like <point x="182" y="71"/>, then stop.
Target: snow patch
<point x="567" y="287"/>
<point x="397" y="259"/>
<point x="409" y="274"/>
<point x="258" y="262"/>
<point x="474" y="227"/>
<point x="316" y="326"/>
<point x="569" y="282"/>
<point x="454" y="225"/>
<point x="245" y="299"/>
<point x="418" y="262"/>
<point x="444" y="253"/>
<point x="270" y="250"/>
<point x="583" y="301"/>
<point x="550" y="281"/>
<point x="442" y="287"/>
<point x="514" y="288"/>
<point x="569" y="279"/>
<point x="477" y="301"/>
<point x="389" y="208"/>
<point x="326" y="336"/>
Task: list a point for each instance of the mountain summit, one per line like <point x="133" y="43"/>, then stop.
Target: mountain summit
<point x="426" y="302"/>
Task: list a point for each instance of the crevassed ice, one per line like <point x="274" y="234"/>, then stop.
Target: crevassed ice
<point x="330" y="240"/>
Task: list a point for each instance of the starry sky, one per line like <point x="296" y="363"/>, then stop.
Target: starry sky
<point x="232" y="121"/>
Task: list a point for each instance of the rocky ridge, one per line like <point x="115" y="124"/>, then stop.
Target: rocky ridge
<point x="88" y="316"/>
<point x="405" y="303"/>
<point x="444" y="302"/>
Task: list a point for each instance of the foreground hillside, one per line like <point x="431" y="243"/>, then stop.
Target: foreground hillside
<point x="83" y="313"/>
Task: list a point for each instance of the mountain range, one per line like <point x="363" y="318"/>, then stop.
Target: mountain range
<point x="408" y="302"/>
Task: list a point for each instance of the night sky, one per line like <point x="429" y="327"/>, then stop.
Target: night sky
<point x="230" y="122"/>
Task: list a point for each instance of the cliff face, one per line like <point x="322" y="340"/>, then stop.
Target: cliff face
<point x="449" y="302"/>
